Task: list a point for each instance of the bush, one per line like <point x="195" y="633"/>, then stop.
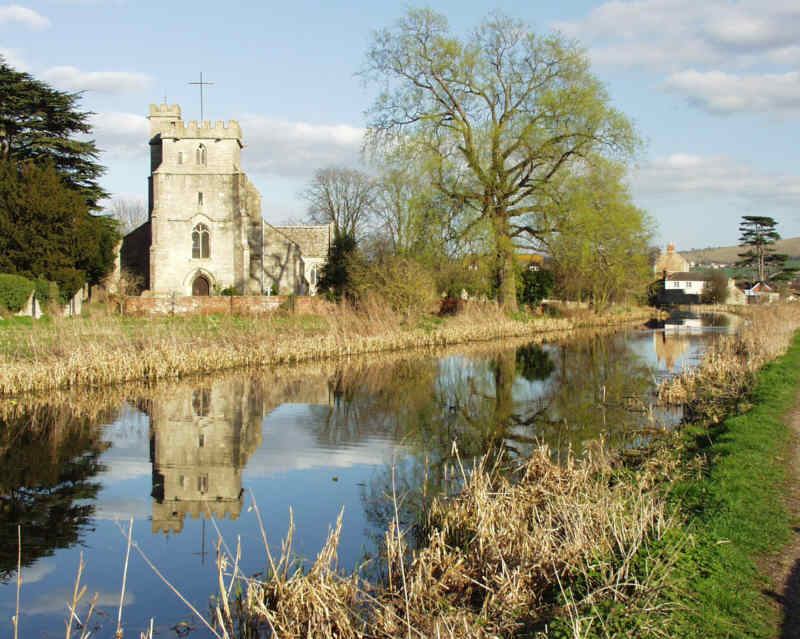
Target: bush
<point x="451" y="306"/>
<point x="14" y="291"/>
<point x="69" y="280"/>
<point x="46" y="292"/>
<point x="534" y="286"/>
<point x="231" y="291"/>
<point x="402" y="282"/>
<point x="453" y="276"/>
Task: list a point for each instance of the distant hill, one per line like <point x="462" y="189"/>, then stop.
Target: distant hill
<point x="730" y="254"/>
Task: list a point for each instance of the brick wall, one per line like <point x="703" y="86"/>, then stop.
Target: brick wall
<point x="162" y="306"/>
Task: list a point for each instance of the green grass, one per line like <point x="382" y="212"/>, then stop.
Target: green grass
<point x="735" y="511"/>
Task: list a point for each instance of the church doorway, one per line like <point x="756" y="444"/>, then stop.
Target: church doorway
<point x="201" y="286"/>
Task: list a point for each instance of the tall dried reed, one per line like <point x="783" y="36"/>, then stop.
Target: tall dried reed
<point x="99" y="351"/>
<point x="491" y="560"/>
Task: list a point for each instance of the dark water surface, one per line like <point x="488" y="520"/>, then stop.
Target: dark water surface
<point x="185" y="460"/>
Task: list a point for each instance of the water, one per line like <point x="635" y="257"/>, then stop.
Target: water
<point x="188" y="461"/>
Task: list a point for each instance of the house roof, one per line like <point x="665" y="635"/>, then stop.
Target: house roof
<point x="761" y="287"/>
<point x="671" y="262"/>
<point x="312" y="240"/>
<point x="686" y="276"/>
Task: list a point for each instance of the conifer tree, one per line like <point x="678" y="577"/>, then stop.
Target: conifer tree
<point x="40" y="123"/>
<point x="759" y="236"/>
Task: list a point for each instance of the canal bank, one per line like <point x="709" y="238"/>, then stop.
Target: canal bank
<point x="92" y="352"/>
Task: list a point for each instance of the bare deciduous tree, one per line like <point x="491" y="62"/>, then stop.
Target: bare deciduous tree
<point x="130" y="213"/>
<point x="343" y="196"/>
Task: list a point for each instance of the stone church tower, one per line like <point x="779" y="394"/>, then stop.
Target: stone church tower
<point x="205" y="232"/>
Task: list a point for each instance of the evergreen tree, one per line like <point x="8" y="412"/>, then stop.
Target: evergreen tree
<point x="40" y="123"/>
<point x="335" y="278"/>
<point x="47" y="231"/>
<point x="759" y="235"/>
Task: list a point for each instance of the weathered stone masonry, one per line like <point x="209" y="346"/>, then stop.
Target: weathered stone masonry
<point x="205" y="232"/>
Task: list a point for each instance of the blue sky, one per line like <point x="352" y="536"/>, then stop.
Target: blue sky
<point x="712" y="85"/>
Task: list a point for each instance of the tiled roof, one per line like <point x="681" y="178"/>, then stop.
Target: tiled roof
<point x="312" y="240"/>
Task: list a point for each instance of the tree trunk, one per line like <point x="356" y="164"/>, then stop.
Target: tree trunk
<point x="506" y="259"/>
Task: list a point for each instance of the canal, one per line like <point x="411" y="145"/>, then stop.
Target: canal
<point x="188" y="461"/>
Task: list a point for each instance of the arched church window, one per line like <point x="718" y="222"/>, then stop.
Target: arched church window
<point x="180" y="157"/>
<point x="201" y="242"/>
<point x="201" y="155"/>
<point x="312" y="275"/>
<point x="200" y="198"/>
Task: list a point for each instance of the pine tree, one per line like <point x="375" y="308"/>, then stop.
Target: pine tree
<point x="759" y="234"/>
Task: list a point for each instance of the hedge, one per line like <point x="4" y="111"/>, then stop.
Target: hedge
<point x="14" y="291"/>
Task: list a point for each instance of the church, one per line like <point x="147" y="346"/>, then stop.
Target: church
<point x="205" y="234"/>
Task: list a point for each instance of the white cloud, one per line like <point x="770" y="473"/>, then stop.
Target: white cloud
<point x="56" y="601"/>
<point x="296" y="149"/>
<point x="720" y="92"/>
<point x="23" y="15"/>
<point x="122" y="509"/>
<point x="706" y="177"/>
<point x="37" y="572"/>
<point x="112" y="82"/>
<point x="121" y="135"/>
<point x="666" y="34"/>
<point x="14" y="59"/>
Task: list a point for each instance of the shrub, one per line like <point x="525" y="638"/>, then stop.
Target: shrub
<point x="46" y="292"/>
<point x="534" y="286"/>
<point x="231" y="291"/>
<point x="473" y="276"/>
<point x="14" y="291"/>
<point x="451" y="306"/>
<point x="402" y="282"/>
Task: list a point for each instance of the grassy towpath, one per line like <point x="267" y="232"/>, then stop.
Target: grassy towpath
<point x="741" y="572"/>
<point x="782" y="569"/>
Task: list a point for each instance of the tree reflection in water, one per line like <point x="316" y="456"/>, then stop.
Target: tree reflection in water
<point x="567" y="396"/>
<point x="48" y="457"/>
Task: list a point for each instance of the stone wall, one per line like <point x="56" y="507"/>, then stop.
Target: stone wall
<point x="283" y="263"/>
<point x="134" y="255"/>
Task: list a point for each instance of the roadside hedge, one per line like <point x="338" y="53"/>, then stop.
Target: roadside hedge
<point x="14" y="291"/>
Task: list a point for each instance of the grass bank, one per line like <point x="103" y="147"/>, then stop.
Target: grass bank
<point x="734" y="509"/>
<point x="97" y="351"/>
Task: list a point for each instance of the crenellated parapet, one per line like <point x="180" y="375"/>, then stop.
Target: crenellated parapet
<point x="205" y="130"/>
<point x="165" y="110"/>
<point x="166" y="121"/>
<point x="168" y="517"/>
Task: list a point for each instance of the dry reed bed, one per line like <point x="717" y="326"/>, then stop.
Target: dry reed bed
<point x="99" y="352"/>
<point x="729" y="364"/>
<point x="493" y="561"/>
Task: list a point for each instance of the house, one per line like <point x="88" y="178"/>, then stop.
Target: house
<point x="670" y="262"/>
<point x="761" y="293"/>
<point x="205" y="233"/>
<point x="688" y="287"/>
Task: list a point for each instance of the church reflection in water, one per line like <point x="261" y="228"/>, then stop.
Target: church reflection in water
<point x="200" y="441"/>
<point x="201" y="438"/>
